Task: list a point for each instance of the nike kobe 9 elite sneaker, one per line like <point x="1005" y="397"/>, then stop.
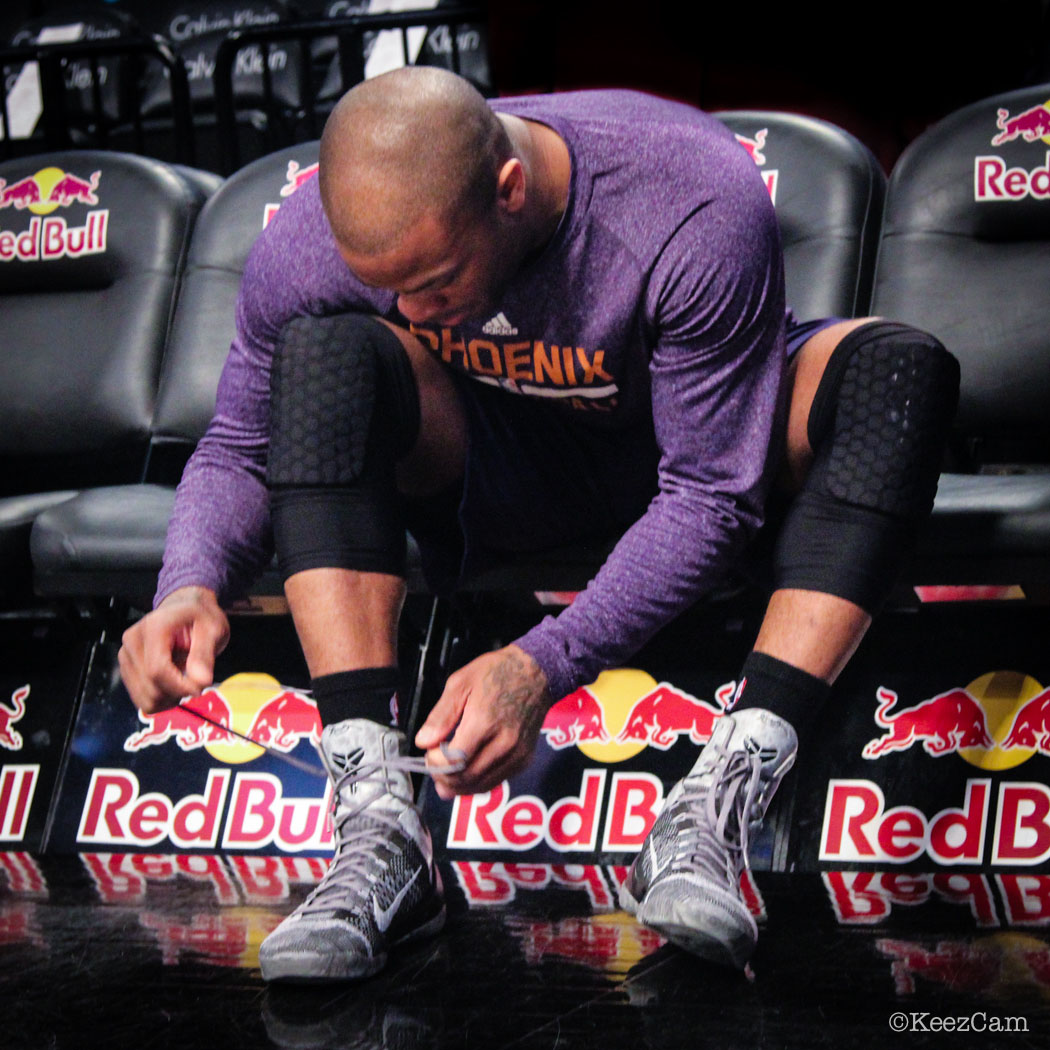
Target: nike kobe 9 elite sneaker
<point x="685" y="881"/>
<point x="382" y="887"/>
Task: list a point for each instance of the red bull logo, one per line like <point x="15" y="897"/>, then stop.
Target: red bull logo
<point x="17" y="788"/>
<point x="10" y="738"/>
<point x="51" y="237"/>
<point x="754" y="147"/>
<point x="1003" y="965"/>
<point x="295" y="178"/>
<point x="613" y="719"/>
<point x="625" y="711"/>
<point x="998" y="721"/>
<point x="253" y="706"/>
<point x="994" y="181"/>
<point x="1031" y="125"/>
<point x="48" y="189"/>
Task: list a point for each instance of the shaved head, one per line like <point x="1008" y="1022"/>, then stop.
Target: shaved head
<point x="414" y="142"/>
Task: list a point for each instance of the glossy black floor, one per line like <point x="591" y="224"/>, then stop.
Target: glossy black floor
<point x="149" y="951"/>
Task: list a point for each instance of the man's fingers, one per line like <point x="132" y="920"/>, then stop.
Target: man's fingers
<point x="207" y="640"/>
<point x="443" y="718"/>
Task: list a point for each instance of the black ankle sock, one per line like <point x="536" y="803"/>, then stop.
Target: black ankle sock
<point x="787" y="691"/>
<point x="371" y="693"/>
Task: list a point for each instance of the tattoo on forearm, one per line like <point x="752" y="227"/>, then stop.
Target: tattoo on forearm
<point x="522" y="698"/>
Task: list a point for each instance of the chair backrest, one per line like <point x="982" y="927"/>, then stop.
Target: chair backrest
<point x="965" y="254"/>
<point x="91" y="248"/>
<point x="828" y="190"/>
<point x="203" y="325"/>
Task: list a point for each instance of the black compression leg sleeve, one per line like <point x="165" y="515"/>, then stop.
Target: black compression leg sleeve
<point x="878" y="427"/>
<point x="344" y="409"/>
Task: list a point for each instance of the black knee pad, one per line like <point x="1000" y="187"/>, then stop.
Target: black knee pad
<point x="343" y="409"/>
<point x="343" y="402"/>
<point x="881" y="416"/>
<point x="878" y="427"/>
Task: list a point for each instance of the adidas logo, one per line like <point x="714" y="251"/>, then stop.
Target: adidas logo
<point x="499" y="325"/>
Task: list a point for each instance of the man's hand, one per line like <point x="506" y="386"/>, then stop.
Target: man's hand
<point x="170" y="653"/>
<point x="496" y="705"/>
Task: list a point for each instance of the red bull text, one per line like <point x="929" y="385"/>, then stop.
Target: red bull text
<point x="497" y="820"/>
<point x="858" y="826"/>
<point x="117" y="813"/>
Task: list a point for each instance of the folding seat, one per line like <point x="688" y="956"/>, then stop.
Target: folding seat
<point x="91" y="247"/>
<point x="965" y="254"/>
<point x="110" y="542"/>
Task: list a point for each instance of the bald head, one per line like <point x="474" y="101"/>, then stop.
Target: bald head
<point x="417" y="141"/>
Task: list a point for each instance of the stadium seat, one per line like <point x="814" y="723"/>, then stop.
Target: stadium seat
<point x="91" y="247"/>
<point x="964" y="254"/>
<point x="110" y="542"/>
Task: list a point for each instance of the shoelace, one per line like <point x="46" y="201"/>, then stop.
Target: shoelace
<point x="708" y="839"/>
<point x="355" y="848"/>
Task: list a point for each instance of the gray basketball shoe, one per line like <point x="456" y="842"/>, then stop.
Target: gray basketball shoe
<point x="685" y="881"/>
<point x="382" y="887"/>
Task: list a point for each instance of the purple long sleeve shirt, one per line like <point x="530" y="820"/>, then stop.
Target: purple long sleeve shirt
<point x="661" y="291"/>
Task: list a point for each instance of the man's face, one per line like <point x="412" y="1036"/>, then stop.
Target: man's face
<point x="443" y="273"/>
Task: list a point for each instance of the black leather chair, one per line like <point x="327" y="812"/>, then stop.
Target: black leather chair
<point x="91" y="247"/>
<point x="828" y="190"/>
<point x="965" y="254"/>
<point x="110" y="541"/>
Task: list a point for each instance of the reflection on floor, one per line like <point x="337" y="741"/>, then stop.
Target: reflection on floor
<point x="154" y="950"/>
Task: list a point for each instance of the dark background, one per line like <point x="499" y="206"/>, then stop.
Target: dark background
<point x="884" y="70"/>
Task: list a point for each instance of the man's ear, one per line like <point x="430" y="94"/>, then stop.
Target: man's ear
<point x="510" y="187"/>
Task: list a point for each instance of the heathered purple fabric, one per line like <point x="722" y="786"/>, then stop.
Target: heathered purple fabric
<point x="662" y="290"/>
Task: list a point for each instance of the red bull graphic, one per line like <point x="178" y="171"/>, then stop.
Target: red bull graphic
<point x="867" y="898"/>
<point x="1030" y="125"/>
<point x="943" y="724"/>
<point x="574" y="719"/>
<point x="17" y="788"/>
<point x="295" y="178"/>
<point x="48" y="189"/>
<point x="614" y="719"/>
<point x="117" y="813"/>
<point x="754" y="147"/>
<point x="1031" y="725"/>
<point x="10" y="738"/>
<point x="192" y="723"/>
<point x="993" y="181"/>
<point x="858" y="826"/>
<point x="626" y="710"/>
<point x="225" y="718"/>
<point x="1000" y="966"/>
<point x="125" y="878"/>
<point x="666" y="714"/>
<point x="998" y="721"/>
